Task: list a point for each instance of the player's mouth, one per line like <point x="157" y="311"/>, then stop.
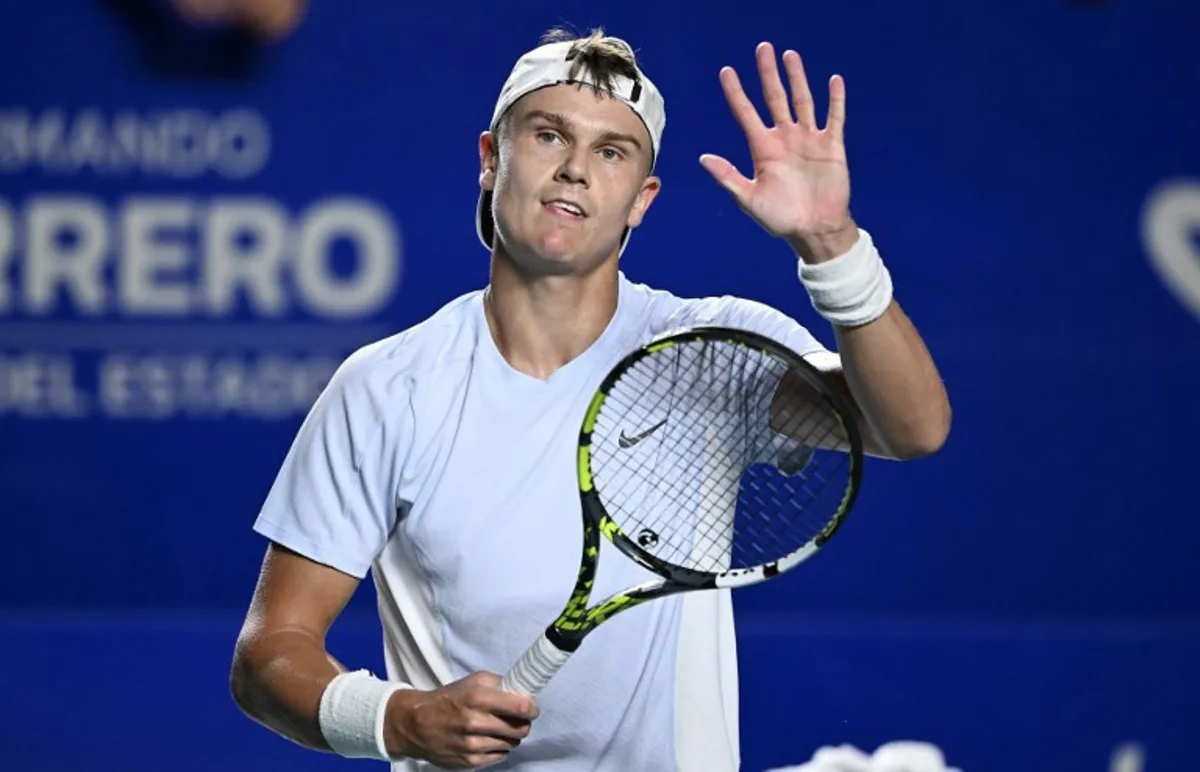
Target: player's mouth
<point x="561" y="207"/>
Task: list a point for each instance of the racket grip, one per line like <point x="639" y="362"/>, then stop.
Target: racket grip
<point x="536" y="667"/>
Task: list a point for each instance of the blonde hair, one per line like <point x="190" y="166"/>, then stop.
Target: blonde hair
<point x="605" y="58"/>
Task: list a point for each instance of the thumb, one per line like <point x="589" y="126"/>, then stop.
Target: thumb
<point x="727" y="175"/>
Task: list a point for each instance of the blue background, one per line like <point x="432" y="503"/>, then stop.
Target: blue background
<point x="1028" y="599"/>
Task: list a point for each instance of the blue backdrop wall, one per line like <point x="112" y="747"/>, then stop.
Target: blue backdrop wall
<point x="195" y="229"/>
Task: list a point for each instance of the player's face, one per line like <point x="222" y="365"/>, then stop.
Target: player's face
<point x="570" y="177"/>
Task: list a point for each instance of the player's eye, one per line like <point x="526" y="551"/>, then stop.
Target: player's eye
<point x="611" y="154"/>
<point x="546" y="136"/>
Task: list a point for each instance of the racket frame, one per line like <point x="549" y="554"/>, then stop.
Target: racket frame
<point x="541" y="661"/>
<point x="578" y="619"/>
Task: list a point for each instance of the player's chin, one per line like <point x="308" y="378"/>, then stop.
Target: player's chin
<point x="555" y="255"/>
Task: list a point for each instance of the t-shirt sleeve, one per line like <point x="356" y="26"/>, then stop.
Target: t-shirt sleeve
<point x="334" y="499"/>
<point x="740" y="313"/>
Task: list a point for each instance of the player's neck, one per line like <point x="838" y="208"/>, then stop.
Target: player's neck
<point x="540" y="323"/>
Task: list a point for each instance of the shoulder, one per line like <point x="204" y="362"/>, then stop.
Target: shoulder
<point x="664" y="311"/>
<point x="381" y="369"/>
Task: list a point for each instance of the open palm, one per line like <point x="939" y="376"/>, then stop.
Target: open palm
<point x="801" y="182"/>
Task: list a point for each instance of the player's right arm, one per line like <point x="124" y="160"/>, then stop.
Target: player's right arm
<point x="281" y="669"/>
<point x="328" y="515"/>
<point x="280" y="664"/>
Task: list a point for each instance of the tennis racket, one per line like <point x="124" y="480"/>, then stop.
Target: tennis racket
<point x="714" y="458"/>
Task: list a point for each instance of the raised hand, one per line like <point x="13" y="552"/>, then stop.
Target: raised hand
<point x="800" y="188"/>
<point x="270" y="19"/>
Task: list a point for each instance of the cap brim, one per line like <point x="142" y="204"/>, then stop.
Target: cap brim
<point x="484" y="227"/>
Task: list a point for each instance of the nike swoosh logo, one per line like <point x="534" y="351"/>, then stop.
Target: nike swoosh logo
<point x="626" y="441"/>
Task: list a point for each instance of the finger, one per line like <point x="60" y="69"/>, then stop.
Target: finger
<point x="773" y="90"/>
<point x="495" y="700"/>
<point x="483" y="752"/>
<point x="743" y="110"/>
<point x="478" y="761"/>
<point x="510" y="731"/>
<point x="727" y="175"/>
<point x="836" y="123"/>
<point x="475" y="744"/>
<point x="802" y="100"/>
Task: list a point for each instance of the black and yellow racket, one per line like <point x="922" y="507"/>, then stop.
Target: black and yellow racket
<point x="713" y="457"/>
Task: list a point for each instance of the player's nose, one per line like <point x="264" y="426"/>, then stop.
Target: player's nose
<point x="573" y="168"/>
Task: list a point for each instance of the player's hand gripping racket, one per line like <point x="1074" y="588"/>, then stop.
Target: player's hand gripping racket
<point x="712" y="457"/>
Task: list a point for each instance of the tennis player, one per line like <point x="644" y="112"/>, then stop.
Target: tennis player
<point x="441" y="459"/>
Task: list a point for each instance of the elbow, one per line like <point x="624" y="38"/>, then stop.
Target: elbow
<point x="242" y="681"/>
<point x="924" y="439"/>
<point x="239" y="683"/>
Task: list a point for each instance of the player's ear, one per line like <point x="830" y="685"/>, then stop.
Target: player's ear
<point x="645" y="197"/>
<point x="488" y="156"/>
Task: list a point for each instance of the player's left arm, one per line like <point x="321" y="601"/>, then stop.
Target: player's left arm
<point x="894" y="384"/>
<point x="888" y="379"/>
<point x="800" y="193"/>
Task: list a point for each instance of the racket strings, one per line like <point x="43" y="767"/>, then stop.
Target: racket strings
<point x="636" y="484"/>
<point x="709" y="548"/>
<point x="704" y="489"/>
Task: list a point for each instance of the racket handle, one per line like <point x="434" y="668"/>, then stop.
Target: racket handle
<point x="536" y="667"/>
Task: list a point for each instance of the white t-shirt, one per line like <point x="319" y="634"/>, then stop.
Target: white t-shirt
<point x="433" y="463"/>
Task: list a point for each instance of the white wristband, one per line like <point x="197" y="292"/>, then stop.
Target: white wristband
<point x="352" y="712"/>
<point x="851" y="289"/>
